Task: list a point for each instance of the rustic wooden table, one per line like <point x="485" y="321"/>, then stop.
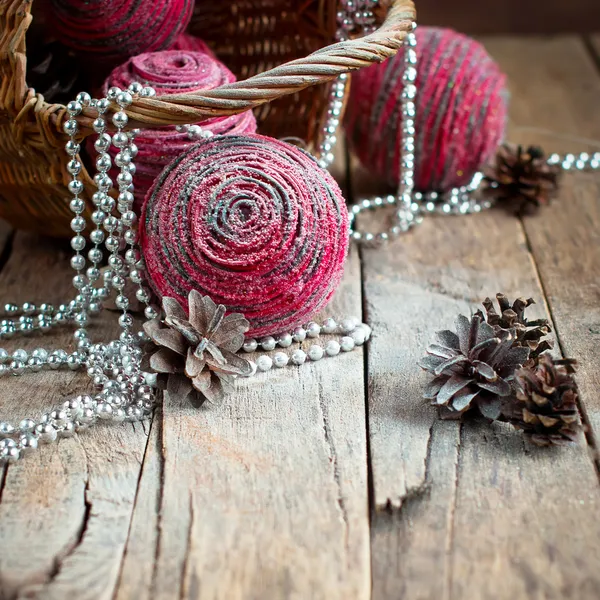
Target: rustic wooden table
<point x="335" y="480"/>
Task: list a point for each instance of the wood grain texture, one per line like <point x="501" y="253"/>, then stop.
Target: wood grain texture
<point x="65" y="510"/>
<point x="565" y="238"/>
<point x="265" y="497"/>
<point x="466" y="511"/>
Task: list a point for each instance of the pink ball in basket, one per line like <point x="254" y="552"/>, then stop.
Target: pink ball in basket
<point x="115" y="29"/>
<point x="174" y="72"/>
<point x="251" y="221"/>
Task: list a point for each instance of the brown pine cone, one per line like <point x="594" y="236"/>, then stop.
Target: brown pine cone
<point x="195" y="354"/>
<point x="474" y="369"/>
<point x="522" y="176"/>
<point x="545" y="404"/>
<point x="512" y="316"/>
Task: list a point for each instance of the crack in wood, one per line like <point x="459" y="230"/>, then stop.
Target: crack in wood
<point x="137" y="491"/>
<point x="416" y="491"/>
<point x="451" y="519"/>
<point x="3" y="476"/>
<point x="7" y="249"/>
<point x="60" y="559"/>
<point x="159" y="495"/>
<point x="188" y="548"/>
<point x="333" y="459"/>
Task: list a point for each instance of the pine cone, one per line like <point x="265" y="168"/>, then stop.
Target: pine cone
<point x="522" y="176"/>
<point x="473" y="369"/>
<point x="528" y="333"/>
<point x="545" y="404"/>
<point x="196" y="356"/>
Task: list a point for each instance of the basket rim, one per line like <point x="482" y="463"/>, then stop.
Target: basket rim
<point x="319" y="67"/>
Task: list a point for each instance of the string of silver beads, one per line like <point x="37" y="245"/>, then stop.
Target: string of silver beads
<point x="355" y="17"/>
<point x="353" y="333"/>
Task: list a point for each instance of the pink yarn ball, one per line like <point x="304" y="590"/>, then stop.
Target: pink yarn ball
<point x="116" y="29"/>
<point x="251" y="221"/>
<point x="174" y="72"/>
<point x="461" y="111"/>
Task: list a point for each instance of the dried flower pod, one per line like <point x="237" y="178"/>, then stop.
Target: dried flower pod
<point x="512" y="316"/>
<point x="474" y="368"/>
<point x="545" y="404"/>
<point x="522" y="176"/>
<point x="195" y="355"/>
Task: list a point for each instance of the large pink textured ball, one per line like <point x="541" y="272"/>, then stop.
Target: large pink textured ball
<point x="116" y="29"/>
<point x="252" y="222"/>
<point x="461" y="111"/>
<point x="174" y="72"/>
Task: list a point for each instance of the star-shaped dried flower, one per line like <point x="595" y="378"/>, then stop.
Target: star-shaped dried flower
<point x="195" y="354"/>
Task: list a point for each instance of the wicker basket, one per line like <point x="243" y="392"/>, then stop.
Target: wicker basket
<point x="251" y="36"/>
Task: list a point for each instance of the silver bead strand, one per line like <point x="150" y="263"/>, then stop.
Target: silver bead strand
<point x="407" y="214"/>
<point x="103" y="204"/>
<point x="77" y="205"/>
<point x="134" y="265"/>
<point x="354" y="16"/>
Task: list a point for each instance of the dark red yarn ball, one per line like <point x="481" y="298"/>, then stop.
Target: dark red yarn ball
<point x="116" y="29"/>
<point x="174" y="72"/>
<point x="461" y="111"/>
<point x="251" y="221"/>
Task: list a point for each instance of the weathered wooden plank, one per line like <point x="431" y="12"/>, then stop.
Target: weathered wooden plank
<point x="565" y="237"/>
<point x="65" y="510"/>
<point x="465" y="511"/>
<point x="265" y="497"/>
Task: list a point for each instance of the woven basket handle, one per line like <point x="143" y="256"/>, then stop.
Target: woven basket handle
<point x="319" y="67"/>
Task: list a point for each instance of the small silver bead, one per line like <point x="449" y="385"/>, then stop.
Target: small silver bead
<point x="6" y="429"/>
<point x="17" y="367"/>
<point x="299" y="334"/>
<point x="104" y="410"/>
<point x="313" y="330"/>
<point x="4" y="356"/>
<point x="113" y="92"/>
<point x="135" y="87"/>
<point x="347" y="344"/>
<point x="120" y="119"/>
<point x="349" y="324"/>
<point x="20" y="355"/>
<point x="299" y="357"/>
<point x="280" y="359"/>
<point x="250" y="345"/>
<point x="27" y="425"/>
<point x="124" y="99"/>
<point x="46" y="432"/>
<point x="332" y="348"/>
<point x="70" y="127"/>
<point x="40" y="353"/>
<point x="315" y="353"/>
<point x="83" y="98"/>
<point x="359" y="336"/>
<point x="268" y="343"/>
<point x="28" y="443"/>
<point x="264" y="363"/>
<point x="10" y="455"/>
<point x="35" y="364"/>
<point x="285" y="340"/>
<point x="150" y="312"/>
<point x="329" y="325"/>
